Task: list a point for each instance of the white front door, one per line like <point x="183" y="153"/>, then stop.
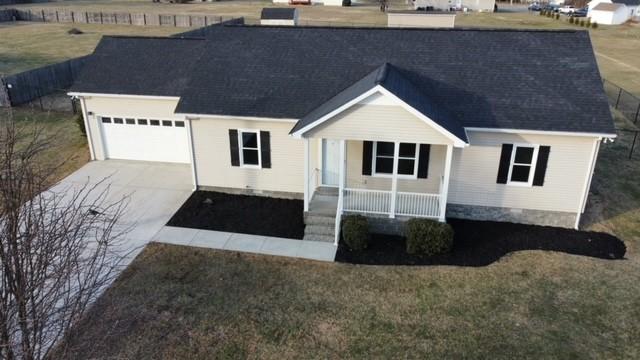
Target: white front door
<point x="330" y="162"/>
<point x="145" y="139"/>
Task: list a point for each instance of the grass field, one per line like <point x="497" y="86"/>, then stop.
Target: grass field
<point x="25" y="46"/>
<point x="69" y="150"/>
<point x="187" y="303"/>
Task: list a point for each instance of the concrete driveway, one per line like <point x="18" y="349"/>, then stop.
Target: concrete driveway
<point x="155" y="191"/>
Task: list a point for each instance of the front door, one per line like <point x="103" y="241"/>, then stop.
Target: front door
<point x="330" y="162"/>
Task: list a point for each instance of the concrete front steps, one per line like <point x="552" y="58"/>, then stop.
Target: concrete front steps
<point x="321" y="218"/>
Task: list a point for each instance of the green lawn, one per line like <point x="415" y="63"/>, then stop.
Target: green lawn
<point x="24" y="45"/>
<point x="187" y="303"/>
<point x="69" y="150"/>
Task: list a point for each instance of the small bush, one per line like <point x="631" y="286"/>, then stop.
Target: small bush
<point x="557" y="16"/>
<point x="570" y="19"/>
<point x="355" y="231"/>
<point x="346" y="2"/>
<point x="75" y="31"/>
<point x="541" y="12"/>
<point x="80" y="122"/>
<point x="588" y="22"/>
<point x="594" y="25"/>
<point x="428" y="237"/>
<point x="582" y="23"/>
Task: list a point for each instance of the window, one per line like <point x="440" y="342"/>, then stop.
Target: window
<point x="142" y="121"/>
<point x="106" y="120"/>
<point x="249" y="148"/>
<point x="522" y="164"/>
<point x="179" y="123"/>
<point x="131" y="121"/>
<point x="384" y="156"/>
<point x="166" y="122"/>
<point x="154" y="122"/>
<point x="117" y="120"/>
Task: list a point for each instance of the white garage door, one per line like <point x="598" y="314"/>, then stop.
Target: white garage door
<point x="145" y="139"/>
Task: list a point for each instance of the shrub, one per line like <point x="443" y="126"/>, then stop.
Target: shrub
<point x="428" y="237"/>
<point x="346" y="2"/>
<point x="588" y="22"/>
<point x="355" y="231"/>
<point x="80" y="122"/>
<point x="582" y="23"/>
<point x="557" y="16"/>
<point x="594" y="25"/>
<point x="541" y="12"/>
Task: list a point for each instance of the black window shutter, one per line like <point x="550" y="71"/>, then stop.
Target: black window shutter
<point x="367" y="154"/>
<point x="233" y="147"/>
<point x="265" y="149"/>
<point x="505" y="161"/>
<point x="423" y="161"/>
<point x="541" y="165"/>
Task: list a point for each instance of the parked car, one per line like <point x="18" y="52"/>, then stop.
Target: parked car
<point x="551" y="7"/>
<point x="580" y="12"/>
<point x="535" y="7"/>
<point x="568" y="9"/>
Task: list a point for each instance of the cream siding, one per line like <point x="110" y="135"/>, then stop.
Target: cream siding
<point x="124" y="107"/>
<point x="378" y="123"/>
<point x="475" y="168"/>
<point x="213" y="159"/>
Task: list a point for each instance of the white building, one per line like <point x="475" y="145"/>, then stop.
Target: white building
<point x="616" y="12"/>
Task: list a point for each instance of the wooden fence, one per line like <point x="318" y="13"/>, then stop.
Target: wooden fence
<point x="30" y="85"/>
<point x="100" y="17"/>
<point x="7" y="15"/>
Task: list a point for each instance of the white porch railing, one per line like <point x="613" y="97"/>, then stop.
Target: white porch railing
<point x="379" y="202"/>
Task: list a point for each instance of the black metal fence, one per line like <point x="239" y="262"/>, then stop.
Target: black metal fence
<point x="623" y="101"/>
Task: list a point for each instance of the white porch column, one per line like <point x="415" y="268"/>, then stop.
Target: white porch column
<point x="343" y="166"/>
<point x="85" y="117"/>
<point x="445" y="183"/>
<point x="306" y="174"/>
<point x="394" y="180"/>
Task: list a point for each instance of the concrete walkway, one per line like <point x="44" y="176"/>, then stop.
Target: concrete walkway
<point x="256" y="244"/>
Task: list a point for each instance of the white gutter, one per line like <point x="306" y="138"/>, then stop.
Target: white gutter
<point x="541" y="132"/>
<point x="232" y="117"/>
<point x="148" y="97"/>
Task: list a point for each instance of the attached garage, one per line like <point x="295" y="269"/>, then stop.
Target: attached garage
<point x="144" y="139"/>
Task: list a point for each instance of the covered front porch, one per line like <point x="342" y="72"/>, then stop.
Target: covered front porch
<point x="377" y="178"/>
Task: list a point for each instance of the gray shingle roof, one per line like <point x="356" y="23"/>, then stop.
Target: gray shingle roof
<point x="391" y="79"/>
<point x="482" y="78"/>
<point x="139" y="66"/>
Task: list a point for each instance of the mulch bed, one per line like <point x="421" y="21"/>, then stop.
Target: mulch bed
<point x="257" y="215"/>
<point x="480" y="243"/>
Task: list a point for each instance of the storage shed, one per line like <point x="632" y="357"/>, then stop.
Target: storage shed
<point x="279" y="16"/>
<point x="421" y="19"/>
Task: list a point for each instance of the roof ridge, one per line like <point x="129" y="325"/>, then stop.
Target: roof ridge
<point x="152" y="37"/>
<point x="380" y="28"/>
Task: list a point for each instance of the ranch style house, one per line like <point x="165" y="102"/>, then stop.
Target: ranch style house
<point x="389" y="123"/>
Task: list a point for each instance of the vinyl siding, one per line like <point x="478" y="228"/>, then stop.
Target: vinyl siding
<point x="381" y="123"/>
<point x="123" y="107"/>
<point x="474" y="171"/>
<point x="213" y="160"/>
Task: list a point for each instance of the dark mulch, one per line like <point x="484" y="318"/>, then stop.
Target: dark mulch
<point x="257" y="215"/>
<point x="480" y="243"/>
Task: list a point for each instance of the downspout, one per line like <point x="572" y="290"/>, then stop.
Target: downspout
<point x="192" y="155"/>
<point x="85" y="116"/>
<point x="587" y="185"/>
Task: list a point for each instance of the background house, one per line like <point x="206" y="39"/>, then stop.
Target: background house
<point x="616" y="12"/>
<point x="279" y="16"/>
<point x="421" y="19"/>
<point x="473" y="5"/>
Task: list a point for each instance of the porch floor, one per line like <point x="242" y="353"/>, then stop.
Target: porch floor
<point x="266" y="245"/>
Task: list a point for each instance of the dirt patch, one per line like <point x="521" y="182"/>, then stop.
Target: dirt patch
<point x="256" y="215"/>
<point x="480" y="243"/>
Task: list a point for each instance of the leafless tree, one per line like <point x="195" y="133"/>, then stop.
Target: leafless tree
<point x="58" y="248"/>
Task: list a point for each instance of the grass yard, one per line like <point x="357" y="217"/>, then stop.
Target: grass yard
<point x="70" y="148"/>
<point x="25" y="45"/>
<point x="187" y="303"/>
